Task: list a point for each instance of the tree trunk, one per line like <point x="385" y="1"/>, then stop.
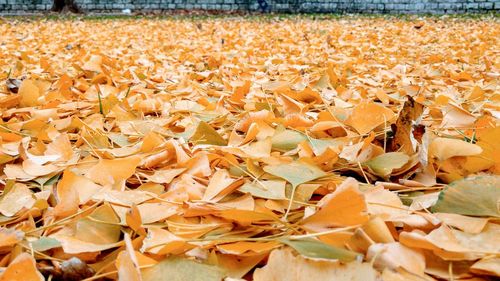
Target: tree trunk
<point x="65" y="5"/>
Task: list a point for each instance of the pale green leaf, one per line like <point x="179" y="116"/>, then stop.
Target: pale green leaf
<point x="296" y="172"/>
<point x="320" y="145"/>
<point x="45" y="243"/>
<point x="384" y="164"/>
<point x="269" y="189"/>
<point x="205" y="134"/>
<point x="176" y="269"/>
<point x="316" y="249"/>
<point x="100" y="227"/>
<point x="286" y="140"/>
<point x="479" y="196"/>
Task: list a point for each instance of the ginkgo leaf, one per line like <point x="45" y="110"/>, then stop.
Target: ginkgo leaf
<point x="133" y="219"/>
<point x="153" y="212"/>
<point x="45" y="243"/>
<point x="444" y="148"/>
<point x="368" y="115"/>
<point x="237" y="266"/>
<point x="206" y="134"/>
<point x="9" y="237"/>
<point x="403" y="128"/>
<point x="177" y="269"/>
<point x="479" y="196"/>
<point x="67" y="196"/>
<point x="312" y="248"/>
<point x="488" y="266"/>
<point x="286" y="140"/>
<point x="465" y="223"/>
<point x="126" y="268"/>
<point x="16" y="199"/>
<point x="270" y="189"/>
<point x="101" y="227"/>
<point x="384" y="164"/>
<point x="164" y="175"/>
<point x="299" y="268"/>
<point x="22" y="268"/>
<point x="395" y="256"/>
<point x="93" y="64"/>
<point x="449" y="243"/>
<point x="346" y="206"/>
<point x="127" y="263"/>
<point x="29" y="93"/>
<point x="4" y="158"/>
<point x="109" y="171"/>
<point x="220" y="184"/>
<point x="242" y="247"/>
<point x="160" y="241"/>
<point x="83" y="186"/>
<point x="296" y="172"/>
<point x="320" y="145"/>
<point x="72" y="245"/>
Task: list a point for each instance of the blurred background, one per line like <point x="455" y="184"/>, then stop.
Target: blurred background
<point x="244" y="6"/>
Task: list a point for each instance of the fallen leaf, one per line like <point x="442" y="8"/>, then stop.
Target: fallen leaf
<point x="296" y="172"/>
<point x="67" y="196"/>
<point x="487" y="266"/>
<point x="29" y="93"/>
<point x="176" y="269"/>
<point x="384" y="164"/>
<point x="9" y="237"/>
<point x="367" y="116"/>
<point x="462" y="197"/>
<point x="394" y="256"/>
<point x="17" y="198"/>
<point x="22" y="268"/>
<point x="403" y="128"/>
<point x="206" y="134"/>
<point x="299" y="268"/>
<point x="345" y="206"/>
<point x="315" y="249"/>
<point x="444" y="148"/>
<point x="269" y="189"/>
<point x="111" y="171"/>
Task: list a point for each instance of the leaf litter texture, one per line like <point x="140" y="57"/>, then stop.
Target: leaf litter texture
<point x="224" y="148"/>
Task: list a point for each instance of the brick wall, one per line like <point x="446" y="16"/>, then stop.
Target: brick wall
<point x="336" y="6"/>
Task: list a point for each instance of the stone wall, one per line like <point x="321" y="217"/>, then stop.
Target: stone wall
<point x="294" y="6"/>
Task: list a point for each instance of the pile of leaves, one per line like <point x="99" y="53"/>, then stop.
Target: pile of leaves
<point x="256" y="149"/>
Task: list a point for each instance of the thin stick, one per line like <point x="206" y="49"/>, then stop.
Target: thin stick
<point x="65" y="219"/>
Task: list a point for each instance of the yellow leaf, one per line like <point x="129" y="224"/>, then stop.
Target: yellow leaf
<point x="161" y="242"/>
<point x="395" y="256"/>
<point x="298" y="268"/>
<point x="487" y="266"/>
<point x="115" y="170"/>
<point x="16" y="199"/>
<point x="346" y="206"/>
<point x="67" y="196"/>
<point x="384" y="164"/>
<point x="220" y="185"/>
<point x="9" y="237"/>
<point x="205" y="134"/>
<point x="444" y="148"/>
<point x="367" y="116"/>
<point x="29" y="93"/>
<point x="250" y="248"/>
<point x="22" y="268"/>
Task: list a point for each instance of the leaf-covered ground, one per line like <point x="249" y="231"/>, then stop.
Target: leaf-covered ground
<point x="261" y="148"/>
